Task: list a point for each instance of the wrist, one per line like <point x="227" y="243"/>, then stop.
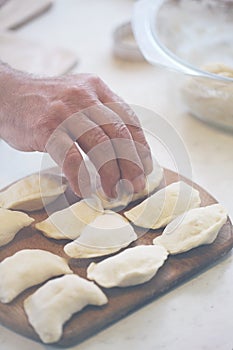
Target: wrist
<point x="9" y="80"/>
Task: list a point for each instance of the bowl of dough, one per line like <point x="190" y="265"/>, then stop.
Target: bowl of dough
<point x="193" y="38"/>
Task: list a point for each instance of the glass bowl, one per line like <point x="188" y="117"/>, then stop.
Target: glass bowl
<point x="195" y="38"/>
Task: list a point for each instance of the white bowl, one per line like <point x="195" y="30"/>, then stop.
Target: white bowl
<point x="195" y="38"/>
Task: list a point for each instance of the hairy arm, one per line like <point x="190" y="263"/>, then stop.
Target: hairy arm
<point x="55" y="114"/>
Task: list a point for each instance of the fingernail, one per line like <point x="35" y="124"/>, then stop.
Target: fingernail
<point x="139" y="183"/>
<point x="128" y="187"/>
<point x="148" y="165"/>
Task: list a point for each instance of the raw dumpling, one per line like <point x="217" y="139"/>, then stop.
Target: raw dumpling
<point x="11" y="223"/>
<point x="27" y="268"/>
<point x="131" y="267"/>
<point x="196" y="227"/>
<point x="69" y="222"/>
<point x="33" y="192"/>
<point x="56" y="301"/>
<point x="152" y="182"/>
<point x="107" y="234"/>
<point x="163" y="206"/>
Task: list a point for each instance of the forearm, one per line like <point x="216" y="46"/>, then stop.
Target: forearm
<point x="7" y="87"/>
<point x="5" y="82"/>
<point x="12" y="106"/>
<point x="8" y="78"/>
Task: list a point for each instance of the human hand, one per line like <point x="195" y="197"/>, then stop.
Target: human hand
<point x="51" y="114"/>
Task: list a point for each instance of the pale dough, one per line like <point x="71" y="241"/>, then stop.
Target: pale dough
<point x="124" y="198"/>
<point x="69" y="222"/>
<point x="163" y="206"/>
<point x="211" y="99"/>
<point x="27" y="268"/>
<point x="56" y="301"/>
<point x="11" y="222"/>
<point x="196" y="227"/>
<point x="32" y="193"/>
<point x="131" y="267"/>
<point x="107" y="234"/>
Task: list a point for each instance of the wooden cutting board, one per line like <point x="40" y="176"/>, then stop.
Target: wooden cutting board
<point x="122" y="301"/>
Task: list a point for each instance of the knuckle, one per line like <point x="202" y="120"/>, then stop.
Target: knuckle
<point x="139" y="137"/>
<point x="78" y="97"/>
<point x="94" y="79"/>
<point x="71" y="158"/>
<point x="56" y="112"/>
<point x="71" y="95"/>
<point x="73" y="91"/>
<point x="99" y="136"/>
<point x="121" y="131"/>
<point x="82" y="79"/>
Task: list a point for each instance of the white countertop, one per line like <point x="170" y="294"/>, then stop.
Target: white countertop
<point x="198" y="314"/>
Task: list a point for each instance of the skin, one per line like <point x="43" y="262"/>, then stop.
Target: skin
<point x="55" y="115"/>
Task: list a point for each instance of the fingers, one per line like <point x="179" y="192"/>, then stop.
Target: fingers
<point x="108" y="142"/>
<point x="75" y="171"/>
<point x="65" y="153"/>
<point x="109" y="134"/>
<point x="97" y="145"/>
<point x="135" y="129"/>
<point x="116" y="104"/>
<point x="129" y="163"/>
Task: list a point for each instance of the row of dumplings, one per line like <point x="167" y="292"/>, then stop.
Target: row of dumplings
<point x="95" y="232"/>
<point x="132" y="266"/>
<point x="37" y="191"/>
<point x="52" y="304"/>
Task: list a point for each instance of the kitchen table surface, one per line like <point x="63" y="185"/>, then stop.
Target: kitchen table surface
<point x="197" y="314"/>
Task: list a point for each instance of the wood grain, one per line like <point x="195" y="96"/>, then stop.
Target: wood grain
<point x="122" y="301"/>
